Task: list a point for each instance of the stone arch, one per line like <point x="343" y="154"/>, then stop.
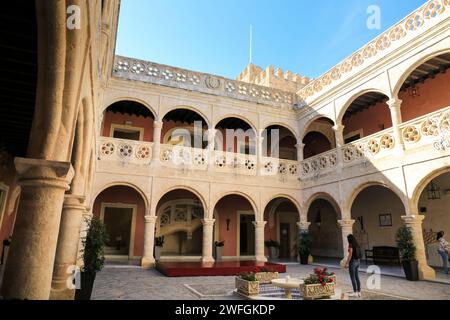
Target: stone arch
<point x="414" y="65"/>
<point x="324" y="196"/>
<point x="123" y="184"/>
<point x="424" y="181"/>
<point x="341" y="112"/>
<point x="133" y="99"/>
<point x="285" y="126"/>
<point x="186" y="188"/>
<point x="237" y="116"/>
<point x="361" y="187"/>
<point x="238" y="193"/>
<point x="187" y="107"/>
<point x="287" y="197"/>
<point x="308" y="124"/>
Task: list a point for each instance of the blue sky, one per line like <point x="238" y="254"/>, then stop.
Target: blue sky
<point x="304" y="36"/>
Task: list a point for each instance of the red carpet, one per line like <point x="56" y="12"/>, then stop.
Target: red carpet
<point x="224" y="268"/>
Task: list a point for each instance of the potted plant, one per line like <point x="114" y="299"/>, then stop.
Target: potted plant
<point x="304" y="247"/>
<point x="265" y="275"/>
<point x="218" y="245"/>
<point x="273" y="247"/>
<point x="247" y="284"/>
<point x="93" y="257"/>
<point x="159" y="243"/>
<point x="320" y="284"/>
<point x="407" y="251"/>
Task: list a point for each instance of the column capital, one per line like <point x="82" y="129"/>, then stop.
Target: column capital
<point x="259" y="224"/>
<point x="413" y="219"/>
<point x="44" y="173"/>
<point x="300" y="145"/>
<point x="208" y="222"/>
<point x="150" y="219"/>
<point x="72" y="201"/>
<point x="346" y="223"/>
<point x="158" y="124"/>
<point x="338" y="127"/>
<point x="303" y="225"/>
<point x="394" y="103"/>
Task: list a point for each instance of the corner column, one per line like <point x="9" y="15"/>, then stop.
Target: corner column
<point x="157" y="129"/>
<point x="259" y="152"/>
<point x="259" y="241"/>
<point x="300" y="146"/>
<point x="207" y="246"/>
<point x="340" y="142"/>
<point x="148" y="260"/>
<point x="29" y="269"/>
<point x="395" y="105"/>
<point x="210" y="150"/>
<point x="346" y="229"/>
<point x="67" y="247"/>
<point x="414" y="223"/>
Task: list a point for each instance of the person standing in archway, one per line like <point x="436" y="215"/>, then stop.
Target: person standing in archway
<point x="353" y="263"/>
<point x="444" y="250"/>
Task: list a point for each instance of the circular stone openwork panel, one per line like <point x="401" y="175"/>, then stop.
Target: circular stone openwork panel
<point x="108" y="148"/>
<point x="126" y="150"/>
<point x="293" y="169"/>
<point x="430" y="128"/>
<point x="221" y="162"/>
<point x="143" y="152"/>
<point x="373" y="146"/>
<point x="249" y="164"/>
<point x="411" y="134"/>
<point x="167" y="155"/>
<point x="387" y="142"/>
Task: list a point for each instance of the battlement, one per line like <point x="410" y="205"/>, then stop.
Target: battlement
<point x="273" y="78"/>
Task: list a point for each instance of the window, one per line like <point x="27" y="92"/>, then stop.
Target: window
<point x="353" y="136"/>
<point x="127" y="132"/>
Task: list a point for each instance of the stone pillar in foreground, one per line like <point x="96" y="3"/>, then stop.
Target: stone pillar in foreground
<point x="29" y="269"/>
<point x="67" y="247"/>
<point x="259" y="241"/>
<point x="414" y="223"/>
<point x="207" y="251"/>
<point x="148" y="260"/>
<point x="346" y="229"/>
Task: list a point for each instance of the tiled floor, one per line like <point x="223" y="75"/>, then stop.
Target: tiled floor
<point x="131" y="282"/>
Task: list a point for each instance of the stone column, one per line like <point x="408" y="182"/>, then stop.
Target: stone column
<point x="303" y="227"/>
<point x="259" y="241"/>
<point x="300" y="146"/>
<point x="207" y="248"/>
<point x="210" y="150"/>
<point x="67" y="247"/>
<point x="28" y="273"/>
<point x="259" y="153"/>
<point x="414" y="222"/>
<point x="395" y="105"/>
<point x="148" y="260"/>
<point x="346" y="229"/>
<point x="157" y="128"/>
<point x="340" y="142"/>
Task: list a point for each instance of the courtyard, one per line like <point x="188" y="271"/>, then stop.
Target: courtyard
<point x="130" y="282"/>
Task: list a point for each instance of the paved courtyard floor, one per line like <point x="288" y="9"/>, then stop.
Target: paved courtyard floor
<point x="129" y="282"/>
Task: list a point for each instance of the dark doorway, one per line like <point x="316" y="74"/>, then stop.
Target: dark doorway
<point x="285" y="241"/>
<point x="247" y="235"/>
<point x="118" y="223"/>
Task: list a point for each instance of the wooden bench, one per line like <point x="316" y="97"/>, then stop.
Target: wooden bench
<point x="383" y="255"/>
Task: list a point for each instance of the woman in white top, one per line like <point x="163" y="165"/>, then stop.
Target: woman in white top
<point x="444" y="250"/>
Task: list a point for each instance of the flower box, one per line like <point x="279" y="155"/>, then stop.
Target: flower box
<point x="333" y="277"/>
<point x="317" y="291"/>
<point x="266" y="277"/>
<point x="247" y="288"/>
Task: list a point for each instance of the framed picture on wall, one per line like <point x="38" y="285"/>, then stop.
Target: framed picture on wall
<point x="386" y="220"/>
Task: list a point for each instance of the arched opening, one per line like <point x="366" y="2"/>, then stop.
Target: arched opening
<point x="128" y="120"/>
<point x="235" y="135"/>
<point x="282" y="216"/>
<point x="366" y="115"/>
<point x="425" y="90"/>
<point x="434" y="204"/>
<point x="184" y="127"/>
<point x="319" y="138"/>
<point x="179" y="214"/>
<point x="235" y="216"/>
<point x="122" y="209"/>
<point x="377" y="212"/>
<point x="324" y="230"/>
<point x="279" y="142"/>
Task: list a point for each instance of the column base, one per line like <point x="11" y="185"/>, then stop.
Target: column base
<point x="426" y="272"/>
<point x="63" y="294"/>
<point x="148" y="263"/>
<point x="261" y="259"/>
<point x="208" y="260"/>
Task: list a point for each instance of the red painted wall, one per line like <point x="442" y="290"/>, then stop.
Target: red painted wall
<point x="118" y="118"/>
<point x="126" y="195"/>
<point x="370" y="120"/>
<point x="227" y="208"/>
